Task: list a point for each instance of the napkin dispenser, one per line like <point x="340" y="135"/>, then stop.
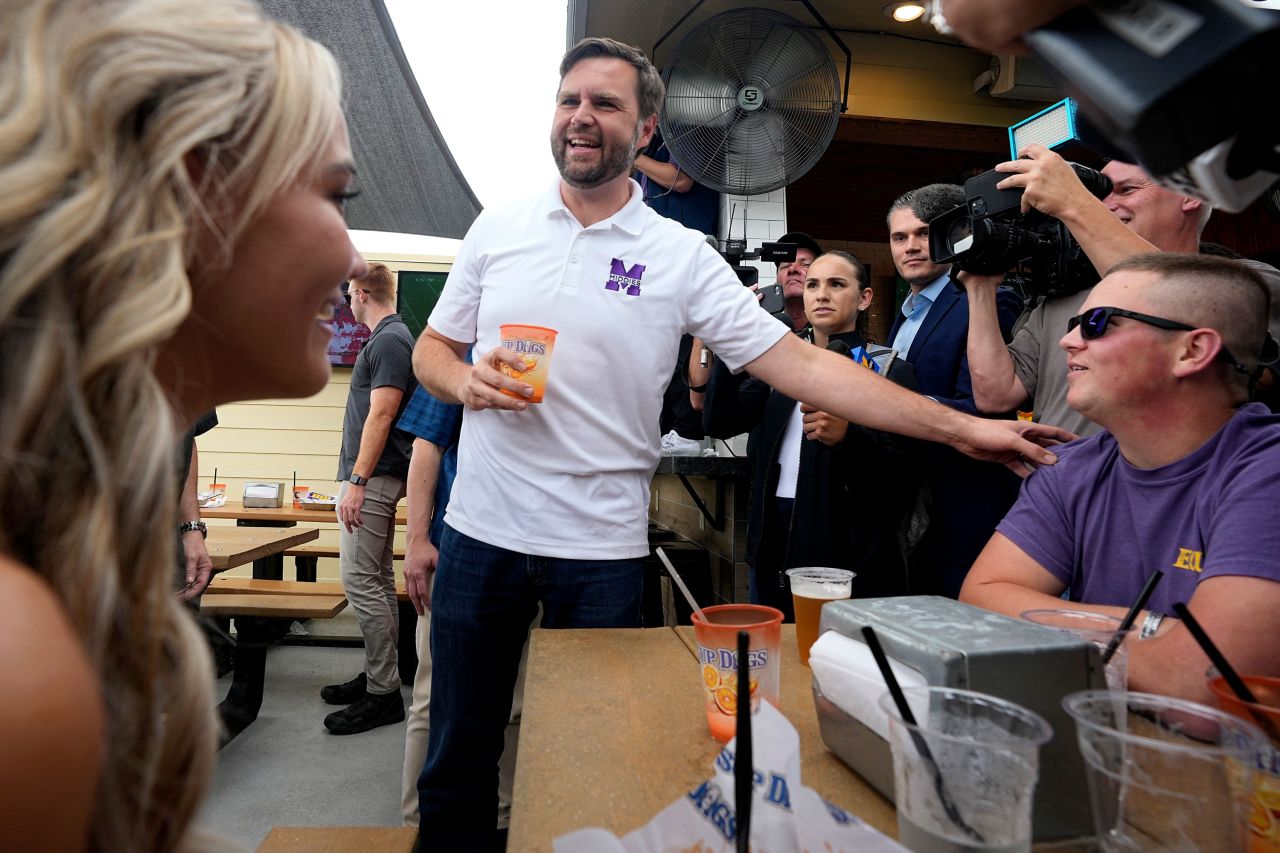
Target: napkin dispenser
<point x="263" y="495"/>
<point x="956" y="645"/>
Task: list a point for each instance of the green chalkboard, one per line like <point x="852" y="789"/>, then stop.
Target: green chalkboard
<point x="416" y="295"/>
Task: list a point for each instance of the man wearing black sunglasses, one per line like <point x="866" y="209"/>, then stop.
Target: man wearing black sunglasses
<point x="1184" y="478"/>
<point x="1137" y="217"/>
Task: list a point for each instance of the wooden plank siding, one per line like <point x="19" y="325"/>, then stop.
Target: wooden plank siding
<point x="271" y="440"/>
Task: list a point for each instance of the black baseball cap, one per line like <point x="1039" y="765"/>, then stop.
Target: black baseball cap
<point x="802" y="240"/>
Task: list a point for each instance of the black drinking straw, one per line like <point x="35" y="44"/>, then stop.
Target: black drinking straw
<point x="922" y="747"/>
<point x="743" y="761"/>
<point x="1127" y="623"/>
<point x="1234" y="681"/>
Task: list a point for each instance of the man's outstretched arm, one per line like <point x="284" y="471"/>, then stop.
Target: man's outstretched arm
<point x="836" y="385"/>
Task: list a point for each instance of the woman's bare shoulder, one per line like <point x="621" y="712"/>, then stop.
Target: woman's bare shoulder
<point x="51" y="719"/>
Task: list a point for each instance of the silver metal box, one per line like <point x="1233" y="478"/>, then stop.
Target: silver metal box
<point x="263" y="495"/>
<point x="956" y="645"/>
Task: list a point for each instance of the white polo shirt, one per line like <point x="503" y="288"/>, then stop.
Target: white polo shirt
<point x="569" y="477"/>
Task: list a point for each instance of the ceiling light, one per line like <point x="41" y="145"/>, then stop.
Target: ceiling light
<point x="904" y="12"/>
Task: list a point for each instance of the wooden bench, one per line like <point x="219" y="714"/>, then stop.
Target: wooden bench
<point x="339" y="839"/>
<point x="262" y="610"/>
<point x="279" y="602"/>
<point x="306" y="555"/>
<point x="222" y="586"/>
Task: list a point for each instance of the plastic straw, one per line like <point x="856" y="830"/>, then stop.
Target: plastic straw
<point x="675" y="576"/>
<point x="922" y="747"/>
<point x="743" y="762"/>
<point x="215" y="474"/>
<point x="1127" y="622"/>
<point x="1234" y="681"/>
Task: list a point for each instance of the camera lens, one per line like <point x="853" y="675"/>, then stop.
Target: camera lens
<point x="960" y="235"/>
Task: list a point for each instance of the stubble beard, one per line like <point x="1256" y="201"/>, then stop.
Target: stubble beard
<point x="615" y="162"/>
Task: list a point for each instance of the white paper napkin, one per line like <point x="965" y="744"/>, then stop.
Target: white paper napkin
<point x="847" y="674"/>
<point x="785" y="815"/>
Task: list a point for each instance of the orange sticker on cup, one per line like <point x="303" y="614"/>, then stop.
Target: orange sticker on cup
<point x="533" y="346"/>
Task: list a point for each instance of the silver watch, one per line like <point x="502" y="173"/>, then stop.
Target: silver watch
<point x="188" y="526"/>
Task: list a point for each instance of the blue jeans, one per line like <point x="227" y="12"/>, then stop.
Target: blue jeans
<point x="482" y="603"/>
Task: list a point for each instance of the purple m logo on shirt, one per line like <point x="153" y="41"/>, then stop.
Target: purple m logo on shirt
<point x="620" y="276"/>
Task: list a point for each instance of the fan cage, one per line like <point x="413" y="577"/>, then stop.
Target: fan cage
<point x="725" y="145"/>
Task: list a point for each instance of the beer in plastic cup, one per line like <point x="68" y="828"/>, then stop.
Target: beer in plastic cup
<point x="1098" y="629"/>
<point x="1263" y="817"/>
<point x="810" y="589"/>
<point x="533" y="344"/>
<point x="985" y="751"/>
<point x="716" y="630"/>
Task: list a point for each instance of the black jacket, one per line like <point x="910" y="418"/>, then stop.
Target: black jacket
<point x="850" y="499"/>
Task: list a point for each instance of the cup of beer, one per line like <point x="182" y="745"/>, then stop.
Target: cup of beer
<point x="533" y="344"/>
<point x="811" y="588"/>
<point x="716" y="630"/>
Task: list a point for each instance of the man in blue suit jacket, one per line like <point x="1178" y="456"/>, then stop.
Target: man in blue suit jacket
<point x="967" y="499"/>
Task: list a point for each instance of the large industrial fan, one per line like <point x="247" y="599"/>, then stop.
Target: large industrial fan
<point x="753" y="100"/>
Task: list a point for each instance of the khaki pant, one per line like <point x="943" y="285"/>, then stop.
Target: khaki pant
<point x="416" y="730"/>
<point x="369" y="579"/>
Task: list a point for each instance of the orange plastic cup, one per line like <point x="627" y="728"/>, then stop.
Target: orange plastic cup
<point x="534" y="345"/>
<point x="299" y="492"/>
<point x="716" y="629"/>
<point x="1264" y="803"/>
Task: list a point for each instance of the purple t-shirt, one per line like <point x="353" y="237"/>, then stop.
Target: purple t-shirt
<point x="1102" y="526"/>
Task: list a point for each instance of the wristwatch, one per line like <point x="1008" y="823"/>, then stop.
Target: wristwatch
<point x="188" y="526"/>
<point x="357" y="480"/>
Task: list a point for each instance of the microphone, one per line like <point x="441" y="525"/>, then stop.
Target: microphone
<point x="838" y="347"/>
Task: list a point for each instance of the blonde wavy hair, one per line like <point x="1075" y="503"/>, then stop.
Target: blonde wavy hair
<point x="138" y="139"/>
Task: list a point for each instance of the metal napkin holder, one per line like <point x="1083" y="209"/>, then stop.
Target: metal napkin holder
<point x="957" y="645"/>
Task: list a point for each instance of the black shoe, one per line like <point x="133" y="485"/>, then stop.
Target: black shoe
<point x="366" y="713"/>
<point x="344" y="694"/>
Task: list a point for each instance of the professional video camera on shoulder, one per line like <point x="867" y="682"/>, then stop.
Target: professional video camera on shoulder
<point x="989" y="234"/>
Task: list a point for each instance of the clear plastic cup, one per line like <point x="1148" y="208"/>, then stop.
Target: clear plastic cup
<point x="811" y="588"/>
<point x="1098" y="629"/>
<point x="1164" y="774"/>
<point x="965" y="774"/>
<point x="716" y="630"/>
<point x="1263" y="817"/>
<point x="534" y="345"/>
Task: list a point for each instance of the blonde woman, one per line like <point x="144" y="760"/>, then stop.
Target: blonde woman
<point x="171" y="238"/>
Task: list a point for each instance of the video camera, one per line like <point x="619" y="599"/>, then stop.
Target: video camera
<point x="989" y="235"/>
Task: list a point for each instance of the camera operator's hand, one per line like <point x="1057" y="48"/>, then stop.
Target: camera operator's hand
<point x="820" y="426"/>
<point x="1048" y="183"/>
<point x="997" y="25"/>
<point x="973" y="282"/>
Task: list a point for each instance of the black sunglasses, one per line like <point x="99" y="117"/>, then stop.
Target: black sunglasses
<point x="1094" y="322"/>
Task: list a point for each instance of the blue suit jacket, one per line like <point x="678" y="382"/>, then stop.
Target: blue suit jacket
<point x="938" y="352"/>
<point x="968" y="498"/>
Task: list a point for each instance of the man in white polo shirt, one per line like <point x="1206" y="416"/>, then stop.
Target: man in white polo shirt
<point x="551" y="500"/>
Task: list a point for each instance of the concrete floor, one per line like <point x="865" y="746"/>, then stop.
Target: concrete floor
<point x="287" y="770"/>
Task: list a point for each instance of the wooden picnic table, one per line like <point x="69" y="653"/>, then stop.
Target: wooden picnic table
<point x="234" y="546"/>
<point x="281" y="516"/>
<point x="285" y="516"/>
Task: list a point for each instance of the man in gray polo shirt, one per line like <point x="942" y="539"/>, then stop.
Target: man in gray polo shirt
<point x="372" y="467"/>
